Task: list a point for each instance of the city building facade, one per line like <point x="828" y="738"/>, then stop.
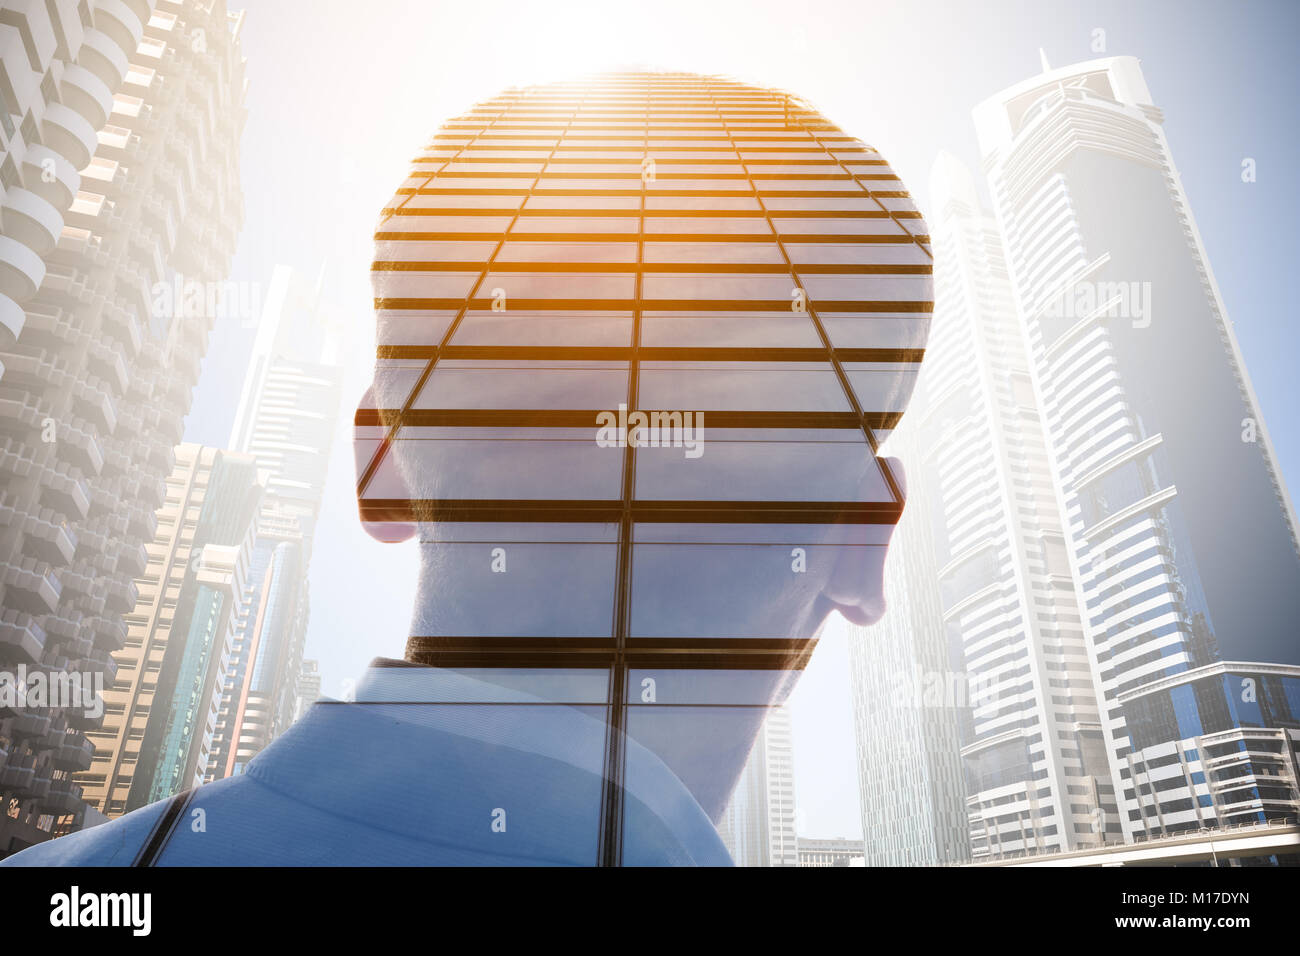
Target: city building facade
<point x="287" y="417"/>
<point x="758" y="827"/>
<point x="1179" y="531"/>
<point x="160" y="715"/>
<point x="99" y="373"/>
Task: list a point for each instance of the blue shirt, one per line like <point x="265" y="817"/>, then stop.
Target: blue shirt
<point x="405" y="777"/>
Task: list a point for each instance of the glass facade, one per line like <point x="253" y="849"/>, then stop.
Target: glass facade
<point x="635" y="336"/>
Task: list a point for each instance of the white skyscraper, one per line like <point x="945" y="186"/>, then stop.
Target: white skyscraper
<point x="759" y="826"/>
<point x="1178" y="530"/>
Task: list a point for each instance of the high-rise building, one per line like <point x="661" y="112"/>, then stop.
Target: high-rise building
<point x="160" y="715"/>
<point x="758" y="827"/>
<point x="60" y="65"/>
<point x="307" y="688"/>
<point x="1178" y="528"/>
<point x="566" y="261"/>
<point x="99" y="372"/>
<point x="287" y="417"/>
<point x="906" y="718"/>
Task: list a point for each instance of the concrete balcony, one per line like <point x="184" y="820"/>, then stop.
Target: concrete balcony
<point x="64" y="797"/>
<point x="40" y="785"/>
<point x="30" y="586"/>
<point x="120" y="23"/>
<point x="22" y="640"/>
<point x="132" y="559"/>
<point x="51" y="176"/>
<point x="120" y="595"/>
<point x="142" y="521"/>
<point x="12" y="320"/>
<point x="109" y="632"/>
<point x="31" y="220"/>
<point x="66" y="131"/>
<point x="96" y="402"/>
<point x="110" y="362"/>
<point x="17" y="778"/>
<point x="80" y="581"/>
<point x="74" y="752"/>
<point x="87" y="94"/>
<point x="101" y="661"/>
<point x="104" y="57"/>
<point x="47" y="537"/>
<point x="27" y="726"/>
<point x="21" y="270"/>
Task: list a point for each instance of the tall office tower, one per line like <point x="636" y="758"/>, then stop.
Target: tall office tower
<point x="98" y="380"/>
<point x="759" y="826"/>
<point x="1179" y="529"/>
<point x="287" y="416"/>
<point x="709" y="252"/>
<point x="160" y="715"/>
<point x="307" y="688"/>
<point x="60" y="64"/>
<point x="907" y="695"/>
<point x="1036" y="774"/>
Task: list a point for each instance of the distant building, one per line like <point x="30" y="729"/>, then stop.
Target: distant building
<point x="837" y="852"/>
<point x="308" y="687"/>
<point x="160" y="715"/>
<point x="287" y="418"/>
<point x="758" y="826"/>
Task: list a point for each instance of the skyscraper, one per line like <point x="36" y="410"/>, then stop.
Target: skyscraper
<point x="1178" y="528"/>
<point x="60" y="64"/>
<point x="906" y="717"/>
<point x="98" y="379"/>
<point x="160" y="715"/>
<point x="759" y="824"/>
<point x="287" y="418"/>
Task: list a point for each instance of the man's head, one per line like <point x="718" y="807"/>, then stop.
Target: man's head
<point x="637" y="342"/>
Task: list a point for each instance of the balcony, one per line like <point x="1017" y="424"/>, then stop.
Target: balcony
<point x="21" y="270"/>
<point x="47" y="537"/>
<point x="120" y="595"/>
<point x="104" y="57"/>
<point x="66" y="131"/>
<point x="30" y="586"/>
<point x="109" y="633"/>
<point x="87" y="94"/>
<point x="31" y="220"/>
<point x="17" y="777"/>
<point x="74" y="752"/>
<point x="27" y="726"/>
<point x="22" y="640"/>
<point x="101" y="661"/>
<point x="65" y="797"/>
<point x="50" y="176"/>
<point x="117" y="20"/>
<point x="12" y="318"/>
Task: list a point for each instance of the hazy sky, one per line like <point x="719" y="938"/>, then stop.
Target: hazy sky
<point x="342" y="94"/>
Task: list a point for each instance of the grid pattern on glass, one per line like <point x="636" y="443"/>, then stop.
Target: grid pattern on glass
<point x="660" y="242"/>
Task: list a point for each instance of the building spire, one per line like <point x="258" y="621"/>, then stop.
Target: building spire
<point x="1042" y="57"/>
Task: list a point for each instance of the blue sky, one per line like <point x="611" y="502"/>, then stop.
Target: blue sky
<point x="339" y="102"/>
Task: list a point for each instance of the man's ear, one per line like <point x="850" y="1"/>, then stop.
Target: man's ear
<point x="364" y="448"/>
<point x="857" y="584"/>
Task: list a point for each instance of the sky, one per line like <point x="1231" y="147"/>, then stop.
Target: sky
<point x="341" y="95"/>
